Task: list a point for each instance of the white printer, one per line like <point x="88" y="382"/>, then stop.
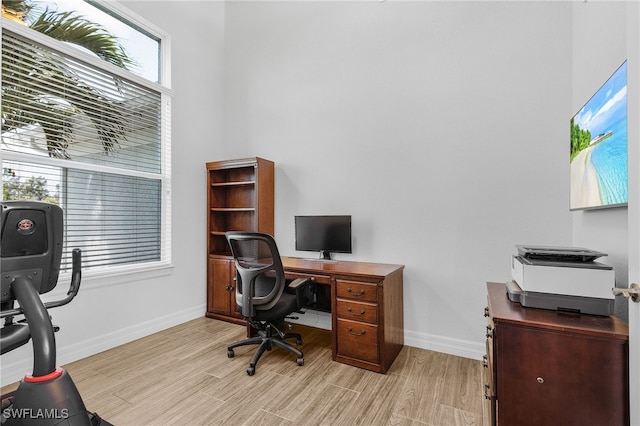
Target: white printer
<point x="563" y="279"/>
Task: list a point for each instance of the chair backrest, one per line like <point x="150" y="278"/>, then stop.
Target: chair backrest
<point x="260" y="274"/>
<point x="30" y="244"/>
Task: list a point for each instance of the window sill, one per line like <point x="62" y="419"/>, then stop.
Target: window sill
<point x="110" y="276"/>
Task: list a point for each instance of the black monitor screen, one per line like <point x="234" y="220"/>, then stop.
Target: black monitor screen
<point x="325" y="234"/>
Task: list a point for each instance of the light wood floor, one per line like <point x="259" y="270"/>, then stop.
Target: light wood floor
<point x="182" y="376"/>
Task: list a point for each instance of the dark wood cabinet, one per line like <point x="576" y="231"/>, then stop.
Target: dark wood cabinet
<point x="240" y="197"/>
<point x="551" y="368"/>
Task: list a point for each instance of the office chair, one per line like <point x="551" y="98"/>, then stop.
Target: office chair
<point x="263" y="295"/>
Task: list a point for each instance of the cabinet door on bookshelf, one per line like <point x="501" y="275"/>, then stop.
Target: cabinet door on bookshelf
<point x="219" y="283"/>
<point x="221" y="288"/>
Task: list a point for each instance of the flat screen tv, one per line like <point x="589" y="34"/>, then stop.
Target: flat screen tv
<point x="324" y="234"/>
<point x="598" y="151"/>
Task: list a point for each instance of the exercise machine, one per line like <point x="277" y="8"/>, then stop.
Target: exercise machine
<point x="31" y="251"/>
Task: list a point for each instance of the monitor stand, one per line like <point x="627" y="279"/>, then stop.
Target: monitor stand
<point x="325" y="257"/>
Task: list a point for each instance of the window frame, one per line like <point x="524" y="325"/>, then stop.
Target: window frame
<point x="113" y="275"/>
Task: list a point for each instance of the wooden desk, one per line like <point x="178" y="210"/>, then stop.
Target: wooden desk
<point x="366" y="303"/>
<point x="546" y="367"/>
<point x="367" y="318"/>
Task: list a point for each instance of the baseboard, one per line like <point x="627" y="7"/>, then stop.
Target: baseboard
<point x="458" y="347"/>
<point x="15" y="371"/>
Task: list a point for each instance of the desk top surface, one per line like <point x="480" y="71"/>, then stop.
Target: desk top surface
<point x="504" y="310"/>
<point x="338" y="267"/>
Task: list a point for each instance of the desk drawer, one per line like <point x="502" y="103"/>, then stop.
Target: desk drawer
<point x="365" y="312"/>
<point x="357" y="340"/>
<point x="356" y="290"/>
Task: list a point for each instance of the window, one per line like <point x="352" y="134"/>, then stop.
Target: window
<point x="94" y="138"/>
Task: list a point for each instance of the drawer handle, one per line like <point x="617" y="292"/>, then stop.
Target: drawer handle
<point x="540" y="380"/>
<point x="489" y="334"/>
<point x="353" y="313"/>
<point x="485" y="361"/>
<point x="355" y="333"/>
<point x="355" y="294"/>
<point x="486" y="311"/>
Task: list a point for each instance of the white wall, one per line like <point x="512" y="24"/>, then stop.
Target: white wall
<point x="441" y="127"/>
<point x="596" y="55"/>
<point x="107" y="313"/>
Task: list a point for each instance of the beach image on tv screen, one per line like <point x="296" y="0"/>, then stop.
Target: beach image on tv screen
<point x="598" y="153"/>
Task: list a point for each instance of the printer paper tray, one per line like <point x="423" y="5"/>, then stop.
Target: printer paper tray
<point x="560" y="302"/>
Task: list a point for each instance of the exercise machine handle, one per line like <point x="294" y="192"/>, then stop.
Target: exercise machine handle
<point x="74" y="287"/>
<point x="76" y="277"/>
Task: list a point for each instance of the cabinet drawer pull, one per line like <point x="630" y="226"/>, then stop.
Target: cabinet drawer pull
<point x="485" y="361"/>
<point x="486" y="311"/>
<point x="489" y="334"/>
<point x="355" y="294"/>
<point x="355" y="314"/>
<point x="540" y="380"/>
<point x="355" y="333"/>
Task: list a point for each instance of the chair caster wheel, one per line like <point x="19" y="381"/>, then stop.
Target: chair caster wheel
<point x="230" y="353"/>
<point x="300" y="362"/>
<point x="251" y="371"/>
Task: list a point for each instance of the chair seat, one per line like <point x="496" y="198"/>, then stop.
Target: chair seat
<point x="285" y="306"/>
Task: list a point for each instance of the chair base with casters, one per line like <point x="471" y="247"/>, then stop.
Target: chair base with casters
<point x="268" y="336"/>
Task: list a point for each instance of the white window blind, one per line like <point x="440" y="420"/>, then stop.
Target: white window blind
<point x="80" y="134"/>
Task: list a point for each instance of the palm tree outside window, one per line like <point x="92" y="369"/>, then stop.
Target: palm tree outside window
<point x="85" y="125"/>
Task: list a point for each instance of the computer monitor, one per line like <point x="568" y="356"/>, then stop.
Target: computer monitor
<point x="325" y="234"/>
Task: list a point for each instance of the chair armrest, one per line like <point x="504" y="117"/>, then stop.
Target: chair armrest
<point x="299" y="282"/>
<point x="300" y="287"/>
